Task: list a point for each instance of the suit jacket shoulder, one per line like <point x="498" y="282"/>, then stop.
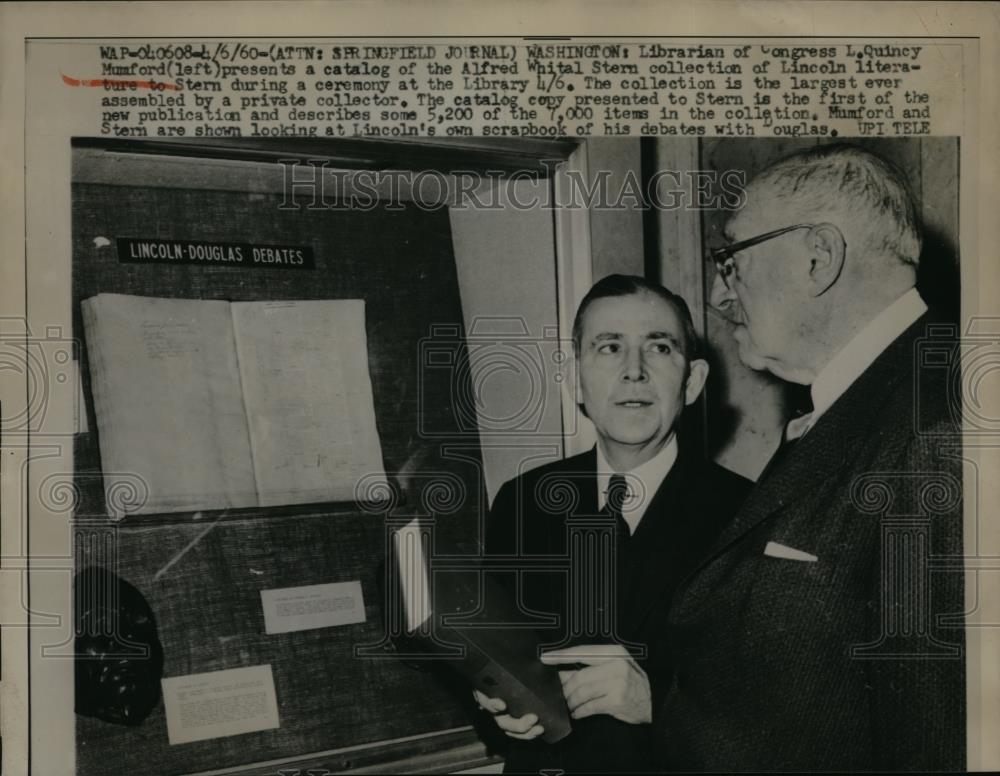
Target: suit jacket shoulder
<point x="537" y="502"/>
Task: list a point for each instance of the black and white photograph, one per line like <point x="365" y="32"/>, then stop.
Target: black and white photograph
<point x="292" y="389"/>
<point x="447" y="414"/>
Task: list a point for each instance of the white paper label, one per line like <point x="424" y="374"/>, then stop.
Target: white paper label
<point x="312" y="606"/>
<point x="219" y="703"/>
<point x="413" y="574"/>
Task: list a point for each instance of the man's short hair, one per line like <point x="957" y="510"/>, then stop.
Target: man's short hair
<point x="627" y="285"/>
<point x="869" y="191"/>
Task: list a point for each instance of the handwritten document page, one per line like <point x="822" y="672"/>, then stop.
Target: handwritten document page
<point x="166" y="391"/>
<point x="220" y="703"/>
<point x="309" y="401"/>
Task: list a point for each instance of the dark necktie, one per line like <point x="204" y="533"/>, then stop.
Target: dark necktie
<point x="615" y="496"/>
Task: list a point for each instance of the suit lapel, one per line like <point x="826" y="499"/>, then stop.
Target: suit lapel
<point x="829" y="445"/>
<point x="820" y="453"/>
<point x="655" y="530"/>
<point x="663" y="526"/>
<point x="584" y="484"/>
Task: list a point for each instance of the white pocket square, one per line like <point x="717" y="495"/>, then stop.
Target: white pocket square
<point x="776" y="550"/>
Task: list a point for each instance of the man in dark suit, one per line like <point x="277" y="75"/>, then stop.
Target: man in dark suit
<point x="655" y="504"/>
<point x="824" y="629"/>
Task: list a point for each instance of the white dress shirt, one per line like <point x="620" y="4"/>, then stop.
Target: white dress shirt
<point x="643" y="482"/>
<point x="858" y="354"/>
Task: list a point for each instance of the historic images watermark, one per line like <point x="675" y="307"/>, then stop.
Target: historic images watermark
<point x="313" y="185"/>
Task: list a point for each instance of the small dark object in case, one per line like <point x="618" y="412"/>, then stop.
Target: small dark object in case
<point x="119" y="658"/>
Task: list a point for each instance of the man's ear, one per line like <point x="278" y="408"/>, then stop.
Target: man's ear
<point x="697" y="375"/>
<point x="827" y="251"/>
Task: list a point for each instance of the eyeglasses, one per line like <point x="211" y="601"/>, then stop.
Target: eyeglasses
<point x="723" y="257"/>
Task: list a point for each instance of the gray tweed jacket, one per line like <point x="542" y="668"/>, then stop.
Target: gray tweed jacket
<point x="854" y="660"/>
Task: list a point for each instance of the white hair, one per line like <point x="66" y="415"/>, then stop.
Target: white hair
<point x="870" y="193"/>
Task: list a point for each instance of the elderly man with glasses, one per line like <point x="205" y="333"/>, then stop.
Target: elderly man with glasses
<point x="824" y="628"/>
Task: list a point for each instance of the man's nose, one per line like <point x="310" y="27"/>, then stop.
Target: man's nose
<point x="635" y="365"/>
<point x="723" y="298"/>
